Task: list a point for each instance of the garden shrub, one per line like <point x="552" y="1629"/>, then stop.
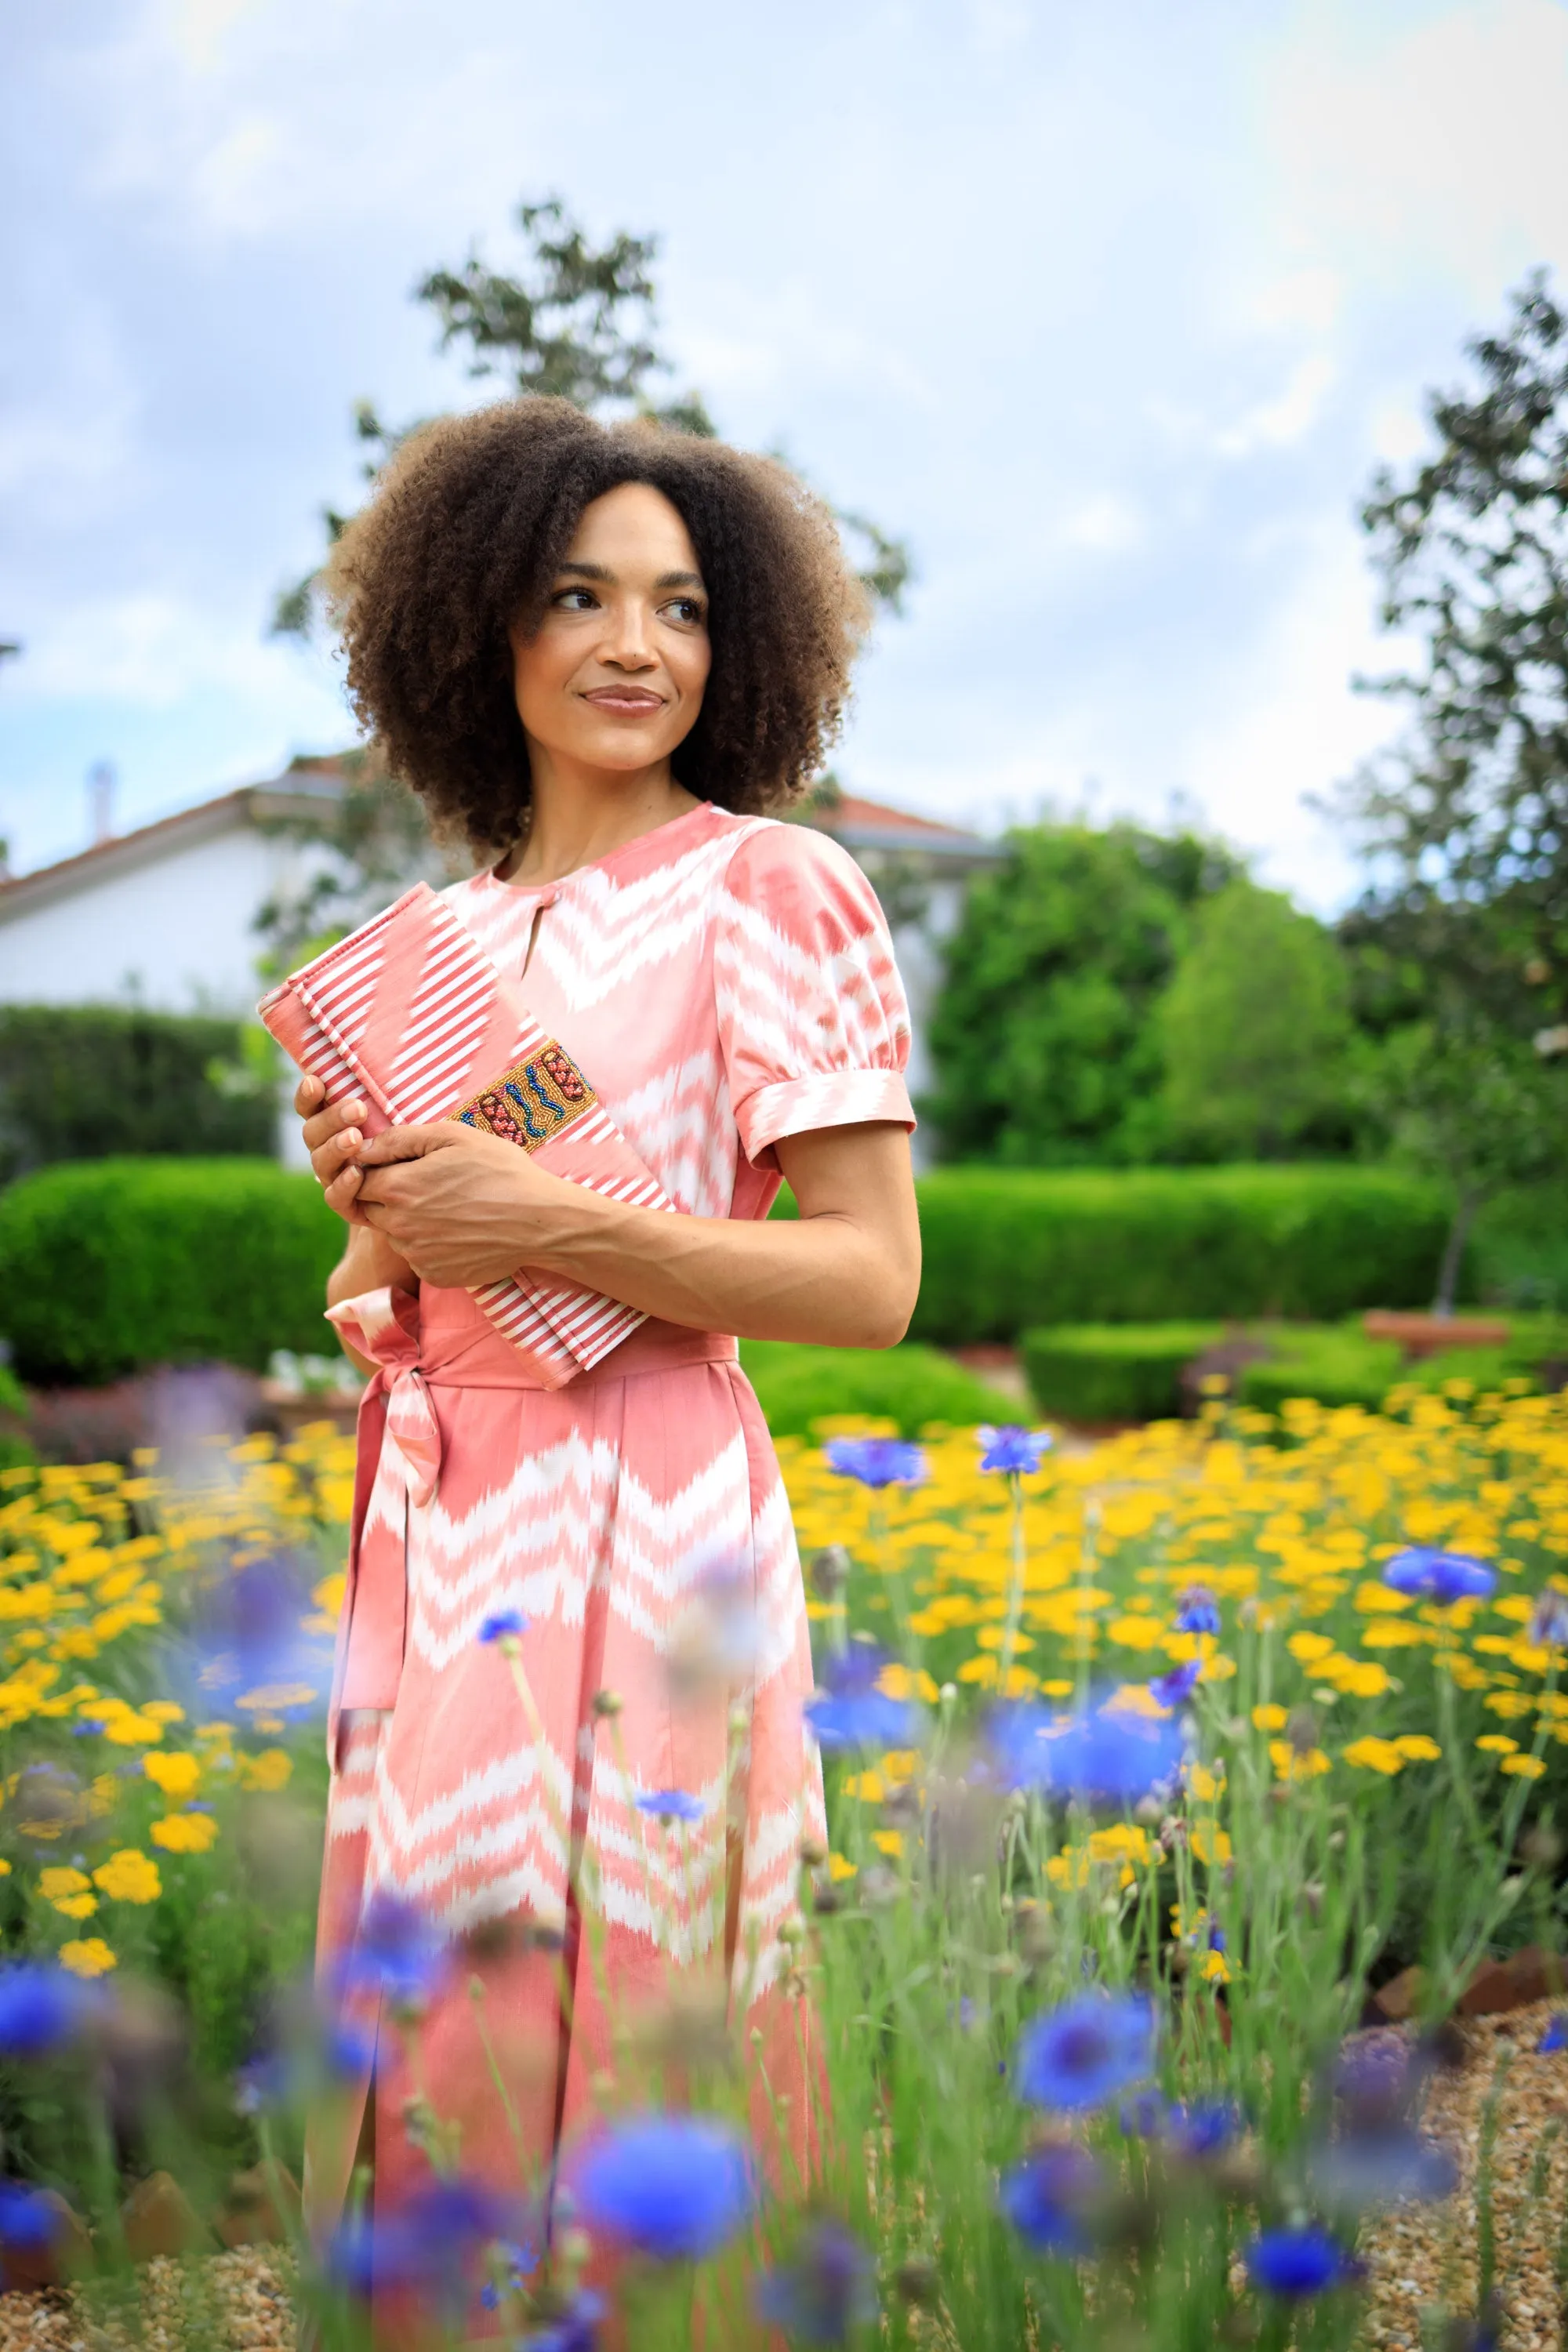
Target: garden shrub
<point x="110" y="1264"/>
<point x="1334" y="1366"/>
<point x="1007" y="1250"/>
<point x="799" y="1386"/>
<point x="1113" y="1371"/>
<point x="92" y="1081"/>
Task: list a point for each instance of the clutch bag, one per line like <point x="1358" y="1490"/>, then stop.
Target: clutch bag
<point x="409" y="1013"/>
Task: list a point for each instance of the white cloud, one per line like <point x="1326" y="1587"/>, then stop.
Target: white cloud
<point x="1289" y="417"/>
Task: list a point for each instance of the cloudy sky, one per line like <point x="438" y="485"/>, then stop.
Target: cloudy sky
<point x="1111" y="310"/>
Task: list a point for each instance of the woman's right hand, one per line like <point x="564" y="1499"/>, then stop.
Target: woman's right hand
<point x="332" y="1136"/>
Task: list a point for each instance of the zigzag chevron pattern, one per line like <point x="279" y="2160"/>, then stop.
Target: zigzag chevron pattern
<point x="725" y="982"/>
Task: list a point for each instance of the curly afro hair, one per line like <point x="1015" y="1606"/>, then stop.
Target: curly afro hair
<point x="463" y="539"/>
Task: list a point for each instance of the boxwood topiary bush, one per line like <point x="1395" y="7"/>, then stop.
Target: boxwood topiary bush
<point x="110" y="1264"/>
<point x="1113" y="1371"/>
<point x="798" y="1386"/>
<point x="1009" y="1249"/>
<point x="1334" y="1366"/>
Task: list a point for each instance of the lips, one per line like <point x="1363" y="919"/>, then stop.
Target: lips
<point x="624" y="698"/>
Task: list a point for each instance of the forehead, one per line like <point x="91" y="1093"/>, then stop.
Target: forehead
<point x="633" y="527"/>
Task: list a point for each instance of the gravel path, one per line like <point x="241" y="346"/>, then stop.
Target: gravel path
<point x="1422" y="2256"/>
<point x="230" y="2303"/>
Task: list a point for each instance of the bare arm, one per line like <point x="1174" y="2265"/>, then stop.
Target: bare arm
<point x="462" y="1208"/>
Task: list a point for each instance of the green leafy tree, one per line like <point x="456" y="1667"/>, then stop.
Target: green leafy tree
<point x="1044" y="1038"/>
<point x="1467" y="818"/>
<point x="1255" y="1032"/>
<point x="575" y="322"/>
<point x="374" y="842"/>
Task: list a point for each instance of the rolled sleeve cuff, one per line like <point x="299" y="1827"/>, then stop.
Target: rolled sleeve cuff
<point x="834" y="1098"/>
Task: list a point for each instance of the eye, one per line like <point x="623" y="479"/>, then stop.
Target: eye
<point x="687" y="609"/>
<point x="564" y="600"/>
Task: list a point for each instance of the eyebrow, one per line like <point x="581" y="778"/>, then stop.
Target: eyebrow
<point x="603" y="572"/>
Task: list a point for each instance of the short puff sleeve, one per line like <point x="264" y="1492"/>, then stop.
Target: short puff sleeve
<point x="813" y="1020"/>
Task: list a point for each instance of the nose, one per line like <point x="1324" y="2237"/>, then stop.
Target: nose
<point x="629" y="643"/>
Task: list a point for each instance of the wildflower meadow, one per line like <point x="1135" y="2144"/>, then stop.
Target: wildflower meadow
<point x="1148" y="1762"/>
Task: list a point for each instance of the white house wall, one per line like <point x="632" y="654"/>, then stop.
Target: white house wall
<point x="176" y="934"/>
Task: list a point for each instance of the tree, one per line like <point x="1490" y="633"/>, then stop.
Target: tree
<point x="577" y="322"/>
<point x="1043" y="1034"/>
<point x="1468" y="814"/>
<point x="1254" y="1030"/>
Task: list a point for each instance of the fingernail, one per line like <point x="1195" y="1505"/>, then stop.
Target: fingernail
<point x="352" y="1135"/>
<point x="354" y="1109"/>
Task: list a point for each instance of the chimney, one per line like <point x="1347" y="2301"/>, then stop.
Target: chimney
<point x="101" y="802"/>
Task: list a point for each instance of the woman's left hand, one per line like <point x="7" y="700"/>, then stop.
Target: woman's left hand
<point x="461" y="1207"/>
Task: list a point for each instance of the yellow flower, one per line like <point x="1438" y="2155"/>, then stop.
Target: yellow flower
<point x="1269" y="1718"/>
<point x="896" y="1681"/>
<point x="178" y="1774"/>
<point x="129" y="1876"/>
<point x="1204" y="1785"/>
<point x="1215" y="1967"/>
<point x="1418" y="1748"/>
<point x="89" y="1957"/>
<point x="1309" y="1646"/>
<point x="185" y="1833"/>
<point x="271" y="1768"/>
<point x="1134" y="1632"/>
<point x="1375" y="1756"/>
<point x="888" y="1842"/>
<point x="1289" y="1765"/>
<point x="1212" y="1846"/>
<point x="1526" y="1767"/>
<point x="838" y="1869"/>
<point x="1357" y="1677"/>
<point x="1498" y="1743"/>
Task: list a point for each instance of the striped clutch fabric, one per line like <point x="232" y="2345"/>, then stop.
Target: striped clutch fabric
<point x="411" y="1015"/>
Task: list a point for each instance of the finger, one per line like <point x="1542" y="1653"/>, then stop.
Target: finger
<point x="308" y="1096"/>
<point x="343" y="1193"/>
<point x="330" y="1159"/>
<point x="395" y="1143"/>
<point x="332" y="1121"/>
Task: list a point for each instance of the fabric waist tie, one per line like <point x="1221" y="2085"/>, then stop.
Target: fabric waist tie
<point x="399" y="1458"/>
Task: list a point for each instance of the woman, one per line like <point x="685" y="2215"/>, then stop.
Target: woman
<point x="601" y="656"/>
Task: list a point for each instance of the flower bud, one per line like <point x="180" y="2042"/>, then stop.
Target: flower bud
<point x="607" y="1705"/>
<point x="830" y="1570"/>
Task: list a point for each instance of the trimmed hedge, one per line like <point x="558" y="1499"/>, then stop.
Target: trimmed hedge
<point x="1008" y="1250"/>
<point x="1113" y="1371"/>
<point x="798" y="1386"/>
<point x="1333" y="1367"/>
<point x="91" y="1081"/>
<point x="110" y="1264"/>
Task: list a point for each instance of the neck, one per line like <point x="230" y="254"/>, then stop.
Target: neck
<point x="579" y="814"/>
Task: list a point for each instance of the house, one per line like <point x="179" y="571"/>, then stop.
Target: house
<point x="165" y="916"/>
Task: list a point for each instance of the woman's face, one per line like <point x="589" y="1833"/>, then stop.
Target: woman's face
<point x="612" y="677"/>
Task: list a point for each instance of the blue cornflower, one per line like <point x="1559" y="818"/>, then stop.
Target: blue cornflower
<point x="675" y="2187"/>
<point x="1081" y="2055"/>
<point x="1049" y="2197"/>
<point x="825" y="2292"/>
<point x="670" y="1805"/>
<point x="1388" y="2166"/>
<point x="427" y="2243"/>
<point x="851" y="1711"/>
<point x="397" y="1953"/>
<point x="1298" y="2262"/>
<point x="1205" y="2129"/>
<point x="1104" y="1755"/>
<point x="1444" y="1576"/>
<point x="503" y="1623"/>
<point x="1197" y="1610"/>
<point x="42" y="2007"/>
<point x="878" y="1461"/>
<point x="575" y="2329"/>
<point x="1555" y="2034"/>
<point x="1014" y="1450"/>
<point x="1548" y="1625"/>
<point x="28" y="2220"/>
<point x="1174" y="1688"/>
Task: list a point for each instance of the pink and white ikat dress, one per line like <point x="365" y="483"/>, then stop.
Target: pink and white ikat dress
<point x="724" y="982"/>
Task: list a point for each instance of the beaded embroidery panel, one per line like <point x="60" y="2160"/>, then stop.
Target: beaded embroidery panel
<point x="531" y="1101"/>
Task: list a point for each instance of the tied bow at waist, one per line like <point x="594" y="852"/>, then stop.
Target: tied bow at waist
<point x="439" y="1340"/>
